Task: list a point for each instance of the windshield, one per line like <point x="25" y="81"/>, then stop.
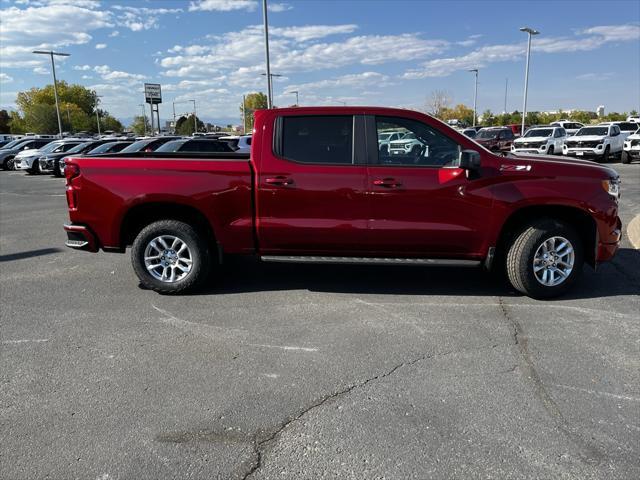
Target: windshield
<point x="384" y="136"/>
<point x="602" y="131"/>
<point x="539" y="132"/>
<point x="487" y="134"/>
<point x="50" y="147"/>
<point x="136" y="146"/>
<point x="14" y="143"/>
<point x="79" y="148"/>
<point x="103" y="148"/>
<point x="173" y="146"/>
<point x="409" y="136"/>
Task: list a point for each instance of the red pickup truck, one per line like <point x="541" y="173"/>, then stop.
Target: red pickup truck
<point x="319" y="187"/>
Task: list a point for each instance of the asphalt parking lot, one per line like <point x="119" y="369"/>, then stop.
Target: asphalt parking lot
<point x="289" y="371"/>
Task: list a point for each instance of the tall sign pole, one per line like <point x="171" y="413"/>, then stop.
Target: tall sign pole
<point x="51" y="53"/>
<point x="153" y="96"/>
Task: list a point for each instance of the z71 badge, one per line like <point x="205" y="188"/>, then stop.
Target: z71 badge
<point x="515" y="168"/>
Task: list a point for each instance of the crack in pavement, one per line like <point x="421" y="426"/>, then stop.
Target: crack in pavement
<point x="259" y="445"/>
<point x="591" y="454"/>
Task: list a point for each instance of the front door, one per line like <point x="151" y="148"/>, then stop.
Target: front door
<point x="312" y="186"/>
<point x="421" y="204"/>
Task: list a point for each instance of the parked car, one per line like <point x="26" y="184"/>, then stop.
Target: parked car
<point x="147" y="144"/>
<point x="54" y="162"/>
<point x="385" y="138"/>
<point x="541" y="140"/>
<point x="198" y="144"/>
<point x="8" y="153"/>
<point x="109" y="147"/>
<point x="496" y="139"/>
<point x="241" y="143"/>
<point x="470" y="132"/>
<point x="4" y="142"/>
<point x="316" y="189"/>
<point x="570" y="127"/>
<point x="631" y="147"/>
<point x="29" y="160"/>
<point x="598" y="142"/>
<point x="633" y="118"/>
<point x="626" y="128"/>
<point x="409" y="144"/>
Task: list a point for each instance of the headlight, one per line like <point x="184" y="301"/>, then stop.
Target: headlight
<point x="612" y="187"/>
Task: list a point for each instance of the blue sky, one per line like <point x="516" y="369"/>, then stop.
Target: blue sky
<point x="393" y="53"/>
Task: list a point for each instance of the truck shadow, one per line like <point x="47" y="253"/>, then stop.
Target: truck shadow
<point x="242" y="275"/>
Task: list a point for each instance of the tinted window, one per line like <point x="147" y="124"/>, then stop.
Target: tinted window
<point x="105" y="147"/>
<point x="205" y="146"/>
<point x="249" y="141"/>
<point x="323" y="139"/>
<point x="628" y="126"/>
<point x="420" y="145"/>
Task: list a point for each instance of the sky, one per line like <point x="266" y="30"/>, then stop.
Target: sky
<point x="362" y="52"/>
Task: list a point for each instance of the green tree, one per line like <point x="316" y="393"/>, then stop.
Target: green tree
<point x="184" y="125"/>
<point x="16" y="123"/>
<point x="460" y="112"/>
<point x="4" y="122"/>
<point x="488" y="119"/>
<point x="108" y="122"/>
<point x="252" y="102"/>
<point x="140" y="125"/>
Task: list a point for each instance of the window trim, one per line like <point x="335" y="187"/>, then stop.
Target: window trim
<point x="358" y="158"/>
<point x="372" y="143"/>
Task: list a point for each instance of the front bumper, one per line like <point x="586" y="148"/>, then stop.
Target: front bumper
<point x="606" y="250"/>
<point x="633" y="152"/>
<point x="47" y="165"/>
<point x="25" y="163"/>
<point x="80" y="237"/>
<point x="583" y="152"/>
<point x="529" y="150"/>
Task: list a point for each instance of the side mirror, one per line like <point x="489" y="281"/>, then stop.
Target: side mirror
<point x="469" y="160"/>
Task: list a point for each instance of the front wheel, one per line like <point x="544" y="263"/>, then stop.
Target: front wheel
<point x="170" y="256"/>
<point x="550" y="151"/>
<point x="626" y="158"/>
<point x="605" y="155"/>
<point x="8" y="164"/>
<point x="544" y="259"/>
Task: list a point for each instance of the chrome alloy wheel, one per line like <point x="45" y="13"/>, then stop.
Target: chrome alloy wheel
<point x="553" y="261"/>
<point x="168" y="258"/>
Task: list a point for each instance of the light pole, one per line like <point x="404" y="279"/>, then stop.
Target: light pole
<point x="51" y="53"/>
<point x="270" y="94"/>
<point x="475" y="95"/>
<point x="531" y="32"/>
<point x="97" y="116"/>
<point x="296" y="92"/>
<point x="144" y="117"/>
<point x="266" y="52"/>
<point x="195" y="121"/>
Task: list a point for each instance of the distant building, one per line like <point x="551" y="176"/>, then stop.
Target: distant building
<point x="600" y="111"/>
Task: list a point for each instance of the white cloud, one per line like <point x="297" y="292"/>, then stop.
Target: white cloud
<point x="82" y="67"/>
<point x="101" y="46"/>
<point x="596" y="76"/>
<point x="353" y="81"/>
<point x="87" y="77"/>
<point x="311" y="32"/>
<point x="140" y="18"/>
<point x="585" y="40"/>
<point x="223" y="5"/>
<point x="279" y="7"/>
<point x="115" y="76"/>
<point x="113" y="34"/>
<point x="4" y="78"/>
<point x="41" y="71"/>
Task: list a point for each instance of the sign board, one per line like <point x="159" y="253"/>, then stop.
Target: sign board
<point x="152" y="93"/>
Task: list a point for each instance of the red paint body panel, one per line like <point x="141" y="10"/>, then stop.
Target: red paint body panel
<point x="269" y="205"/>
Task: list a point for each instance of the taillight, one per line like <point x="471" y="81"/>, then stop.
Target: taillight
<point x="71" y="171"/>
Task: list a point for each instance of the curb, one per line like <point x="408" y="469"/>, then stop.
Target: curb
<point x="633" y="231"/>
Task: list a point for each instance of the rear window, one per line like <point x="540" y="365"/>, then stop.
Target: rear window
<point x="318" y="139"/>
<point x="205" y="146"/>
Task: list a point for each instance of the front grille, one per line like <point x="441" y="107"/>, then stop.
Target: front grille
<point x="583" y="144"/>
<point x="635" y="142"/>
<point x="529" y="144"/>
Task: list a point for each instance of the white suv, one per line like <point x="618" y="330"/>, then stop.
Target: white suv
<point x="540" y="140"/>
<point x="631" y="148"/>
<point x="599" y="141"/>
<point x="570" y="127"/>
<point x="408" y="145"/>
<point x="385" y="138"/>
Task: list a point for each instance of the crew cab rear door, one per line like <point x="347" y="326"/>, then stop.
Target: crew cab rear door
<point x="421" y="203"/>
<point x="311" y="185"/>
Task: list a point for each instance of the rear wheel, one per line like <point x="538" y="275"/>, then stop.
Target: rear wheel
<point x="544" y="259"/>
<point x="550" y="151"/>
<point x="626" y="158"/>
<point x="170" y="256"/>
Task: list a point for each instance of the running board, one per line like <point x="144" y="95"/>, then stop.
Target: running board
<point x="371" y="260"/>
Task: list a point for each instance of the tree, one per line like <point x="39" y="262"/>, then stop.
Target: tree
<point x="108" y="122"/>
<point x="439" y="101"/>
<point x="460" y="112"/>
<point x="252" y="102"/>
<point x="140" y="125"/>
<point x="4" y="122"/>
<point x="16" y="123"/>
<point x="184" y="125"/>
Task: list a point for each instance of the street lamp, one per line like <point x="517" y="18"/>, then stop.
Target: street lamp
<point x="266" y="54"/>
<point x="475" y="95"/>
<point x="296" y="92"/>
<point x="51" y="53"/>
<point x="531" y="32"/>
<point x="144" y="117"/>
<point x="97" y="116"/>
<point x="270" y="85"/>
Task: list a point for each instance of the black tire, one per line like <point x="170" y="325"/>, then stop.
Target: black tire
<point x="605" y="155"/>
<point x="521" y="252"/>
<point x="550" y="151"/>
<point x="8" y="164"/>
<point x="625" y="157"/>
<point x="200" y="256"/>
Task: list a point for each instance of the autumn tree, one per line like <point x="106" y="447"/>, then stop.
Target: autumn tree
<point x="438" y="102"/>
<point x="252" y="102"/>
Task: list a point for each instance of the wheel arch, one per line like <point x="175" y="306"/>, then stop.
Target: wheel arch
<point x="141" y="215"/>
<point x="580" y="220"/>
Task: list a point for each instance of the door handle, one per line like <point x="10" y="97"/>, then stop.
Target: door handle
<point x="279" y="181"/>
<point x="387" y="182"/>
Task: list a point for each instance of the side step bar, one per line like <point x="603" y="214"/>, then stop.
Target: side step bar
<point x="371" y="260"/>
